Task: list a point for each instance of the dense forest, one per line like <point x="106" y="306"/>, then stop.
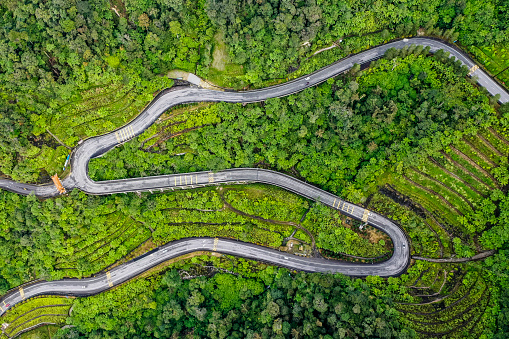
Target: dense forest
<point x="274" y="304"/>
<point x="411" y="137"/>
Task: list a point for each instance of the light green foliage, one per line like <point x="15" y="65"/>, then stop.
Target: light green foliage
<point x="420" y="230"/>
<point x="268" y="202"/>
<point x="36" y="311"/>
<point x="495" y="58"/>
<point x="328" y="227"/>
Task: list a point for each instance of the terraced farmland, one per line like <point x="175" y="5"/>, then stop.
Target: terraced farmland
<point x="453" y="310"/>
<point x="454" y="183"/>
<point x="495" y="59"/>
<point x="33" y="313"/>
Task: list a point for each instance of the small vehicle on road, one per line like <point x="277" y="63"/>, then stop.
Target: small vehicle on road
<point x="307" y="78"/>
<point x="7" y="306"/>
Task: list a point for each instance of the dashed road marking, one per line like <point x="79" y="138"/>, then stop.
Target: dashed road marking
<point x="116" y="135"/>
<point x="185" y="178"/>
<point x="21" y="293"/>
<point x="108" y="276"/>
<point x="175" y="181"/>
<point x="365" y="216"/>
<point x="132" y="131"/>
<point x="334" y="203"/>
<point x="473" y="69"/>
<point x="346" y="207"/>
<point x="216" y="240"/>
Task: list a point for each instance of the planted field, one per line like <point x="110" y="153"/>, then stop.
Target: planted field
<point x="451" y="181"/>
<point x="100" y="108"/>
<point x="92" y="254"/>
<point x="428" y="237"/>
<point x="456" y="183"/>
<point x="448" y="314"/>
<point x="451" y="195"/>
<point x="504" y="77"/>
<point x="452" y="198"/>
<point x="267" y="202"/>
<point x="498" y="141"/>
<point x="427" y="199"/>
<point x="495" y="58"/>
<point x="35" y="312"/>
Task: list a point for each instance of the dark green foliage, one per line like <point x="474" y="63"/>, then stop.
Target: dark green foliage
<point x="340" y="135"/>
<point x="275" y="303"/>
<point x="269" y="36"/>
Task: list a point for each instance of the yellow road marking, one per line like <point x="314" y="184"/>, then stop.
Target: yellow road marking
<point x="365" y="216"/>
<point x="185" y="178"/>
<point x="175" y="181"/>
<point x="216" y="240"/>
<point x="334" y="203"/>
<point x="126" y="136"/>
<point x="108" y="275"/>
<point x="129" y="133"/>
<point x="22" y="293"/>
<point x="191" y="177"/>
<point x="211" y="177"/>
<point x="1" y="309"/>
<point x="132" y="131"/>
<point x="346" y="207"/>
<point x="473" y="69"/>
<point x="5" y="303"/>
<point x="196" y="178"/>
<point x="116" y="135"/>
<point x="180" y="180"/>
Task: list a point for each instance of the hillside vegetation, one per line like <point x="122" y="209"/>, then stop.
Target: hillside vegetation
<point x="410" y="136"/>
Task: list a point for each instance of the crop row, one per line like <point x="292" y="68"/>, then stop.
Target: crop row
<point x="424" y="198"/>
<point x="246" y="232"/>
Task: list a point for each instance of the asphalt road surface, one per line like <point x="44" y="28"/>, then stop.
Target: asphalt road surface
<point x="97" y="146"/>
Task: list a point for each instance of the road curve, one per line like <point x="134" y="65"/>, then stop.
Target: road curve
<point x="122" y="273"/>
<point x="97" y="146"/>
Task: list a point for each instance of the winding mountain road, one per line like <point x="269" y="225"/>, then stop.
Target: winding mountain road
<point x="99" y="145"/>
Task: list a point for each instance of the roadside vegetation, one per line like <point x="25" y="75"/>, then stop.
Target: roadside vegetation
<point x="495" y="58"/>
<point x="80" y="235"/>
<point x="442" y="178"/>
<point x="34" y="313"/>
<point x="409" y="137"/>
<point x="271" y="302"/>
